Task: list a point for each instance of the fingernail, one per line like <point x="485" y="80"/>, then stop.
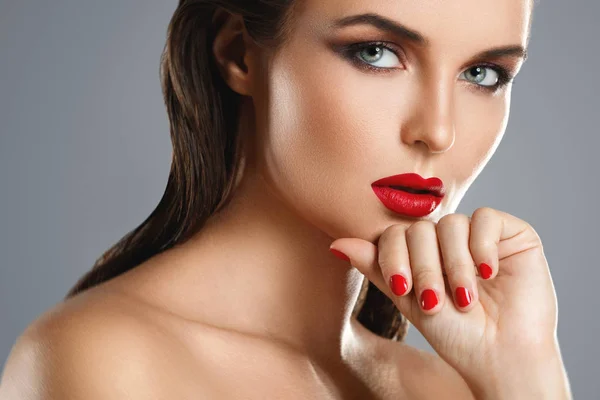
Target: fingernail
<point x="398" y="284"/>
<point x="485" y="270"/>
<point x="428" y="299"/>
<point x="463" y="297"/>
<point x="339" y="254"/>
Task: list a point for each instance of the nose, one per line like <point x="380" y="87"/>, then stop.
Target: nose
<point x="432" y="121"/>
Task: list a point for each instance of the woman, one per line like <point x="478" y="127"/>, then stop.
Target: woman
<point x="303" y="130"/>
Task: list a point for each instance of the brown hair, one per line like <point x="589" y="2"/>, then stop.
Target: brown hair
<point x="203" y="113"/>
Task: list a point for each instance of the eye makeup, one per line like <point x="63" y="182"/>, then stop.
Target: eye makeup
<point x="351" y="53"/>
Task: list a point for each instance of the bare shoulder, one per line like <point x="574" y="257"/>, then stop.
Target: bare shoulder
<point x="95" y="346"/>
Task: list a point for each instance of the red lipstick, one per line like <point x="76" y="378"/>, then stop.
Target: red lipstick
<point x="409" y="194"/>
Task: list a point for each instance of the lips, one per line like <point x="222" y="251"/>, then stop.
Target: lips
<point x="411" y="190"/>
<point x="413" y="183"/>
<point x="409" y="195"/>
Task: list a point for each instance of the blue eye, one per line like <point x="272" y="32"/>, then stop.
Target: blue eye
<point x="486" y="77"/>
<point x="372" y="56"/>
<point x="382" y="57"/>
<point x="480" y="75"/>
<point x="373" y="53"/>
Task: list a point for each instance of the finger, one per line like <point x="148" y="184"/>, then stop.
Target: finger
<point x="394" y="261"/>
<point x="425" y="264"/>
<point x="453" y="237"/>
<point x="496" y="235"/>
<point x="362" y="255"/>
<point x="486" y="229"/>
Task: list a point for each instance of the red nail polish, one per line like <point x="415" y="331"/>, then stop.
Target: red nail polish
<point x="398" y="284"/>
<point x="463" y="297"/>
<point x="428" y="299"/>
<point x="339" y="254"/>
<point x="485" y="270"/>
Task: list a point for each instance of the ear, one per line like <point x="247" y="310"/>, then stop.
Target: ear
<point x="233" y="50"/>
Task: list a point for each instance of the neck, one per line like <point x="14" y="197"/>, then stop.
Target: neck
<point x="267" y="272"/>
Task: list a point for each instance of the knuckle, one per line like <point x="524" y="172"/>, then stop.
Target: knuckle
<point x="388" y="263"/>
<point x="393" y="231"/>
<point x="419" y="225"/>
<point x="530" y="238"/>
<point x="425" y="276"/>
<point x="454" y="267"/>
<point x="481" y="247"/>
<point x="484" y="212"/>
<point x="484" y="243"/>
<point x="450" y="219"/>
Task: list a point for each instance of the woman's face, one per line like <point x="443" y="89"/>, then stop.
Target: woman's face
<point x="332" y="117"/>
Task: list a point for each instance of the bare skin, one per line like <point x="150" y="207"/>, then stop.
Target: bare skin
<point x="255" y="306"/>
<point x="165" y="355"/>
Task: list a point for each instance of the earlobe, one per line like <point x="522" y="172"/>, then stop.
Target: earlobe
<point x="230" y="49"/>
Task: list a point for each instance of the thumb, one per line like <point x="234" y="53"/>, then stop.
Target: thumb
<point x="363" y="256"/>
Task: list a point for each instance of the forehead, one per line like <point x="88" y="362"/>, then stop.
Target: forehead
<point x="481" y="23"/>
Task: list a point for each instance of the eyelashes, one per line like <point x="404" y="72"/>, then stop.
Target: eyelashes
<point x="352" y="53"/>
<point x="504" y="77"/>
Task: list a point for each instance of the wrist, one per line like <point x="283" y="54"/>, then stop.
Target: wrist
<point x="541" y="376"/>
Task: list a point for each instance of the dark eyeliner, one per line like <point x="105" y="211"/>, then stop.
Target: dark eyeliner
<point x="350" y="53"/>
<point x="504" y="78"/>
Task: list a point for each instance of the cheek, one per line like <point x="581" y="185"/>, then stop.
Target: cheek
<point x="330" y="113"/>
<point x="321" y="140"/>
<point x="323" y="115"/>
<point x="480" y="125"/>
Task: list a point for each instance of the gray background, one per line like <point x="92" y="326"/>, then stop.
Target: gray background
<point x="85" y="153"/>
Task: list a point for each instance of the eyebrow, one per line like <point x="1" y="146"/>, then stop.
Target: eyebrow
<point x="400" y="30"/>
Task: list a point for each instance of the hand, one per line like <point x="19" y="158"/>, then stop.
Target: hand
<point x="512" y="315"/>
